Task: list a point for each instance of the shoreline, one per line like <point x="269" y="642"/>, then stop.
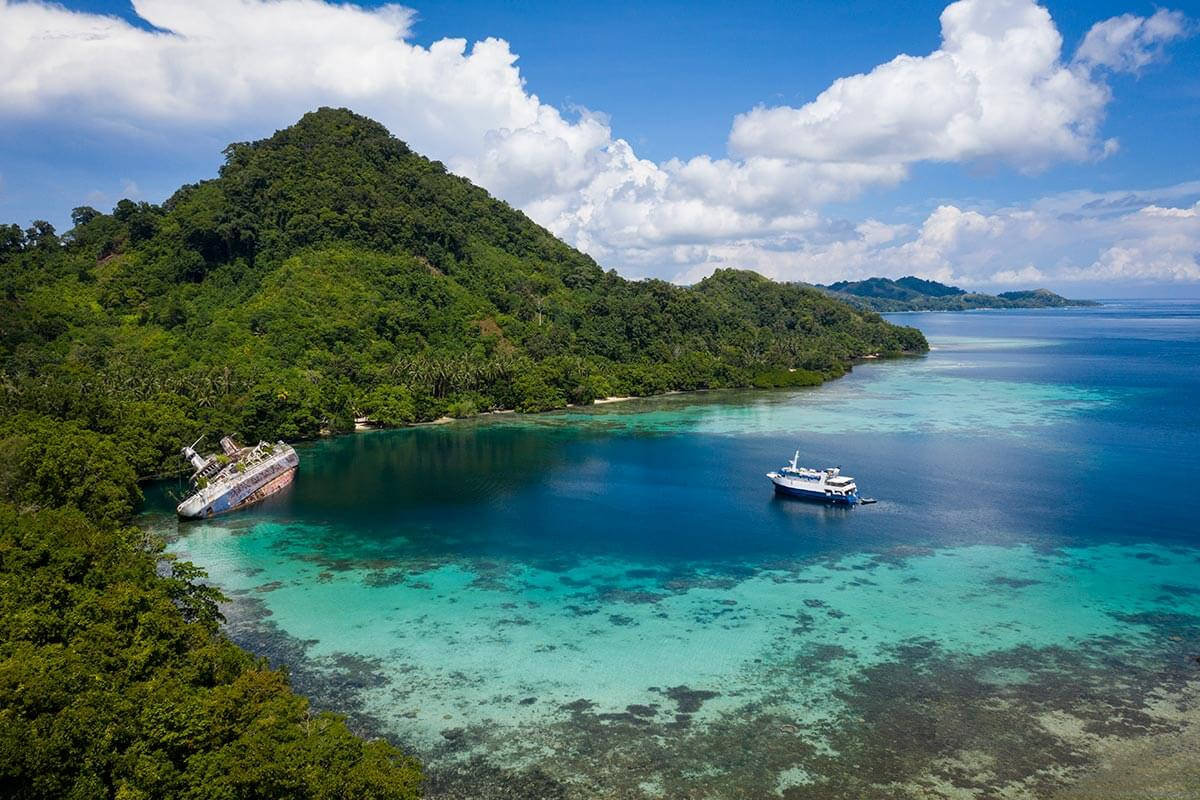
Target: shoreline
<point x="364" y="425"/>
<point x="601" y="401"/>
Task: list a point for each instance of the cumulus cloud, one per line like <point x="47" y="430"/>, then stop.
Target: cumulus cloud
<point x="998" y="88"/>
<point x="1025" y="276"/>
<point x="1152" y="244"/>
<point x="212" y="62"/>
<point x="1128" y="43"/>
<point x="221" y="62"/>
<point x="1058" y="240"/>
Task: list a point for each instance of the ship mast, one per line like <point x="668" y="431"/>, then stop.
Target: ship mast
<point x="197" y="461"/>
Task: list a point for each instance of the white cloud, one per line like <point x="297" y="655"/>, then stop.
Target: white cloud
<point x="1084" y="203"/>
<point x="1026" y="276"/>
<point x="1043" y="243"/>
<point x="1128" y="43"/>
<point x="1152" y="244"/>
<point x="997" y="89"/>
<point x="251" y="61"/>
<point x="873" y="232"/>
<point x="223" y="63"/>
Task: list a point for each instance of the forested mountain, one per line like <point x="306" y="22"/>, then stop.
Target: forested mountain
<point x="916" y="294"/>
<point x="327" y="272"/>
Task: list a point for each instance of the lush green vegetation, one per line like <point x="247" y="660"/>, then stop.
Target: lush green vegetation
<point x="917" y="294"/>
<point x="328" y="273"/>
<point x="115" y="683"/>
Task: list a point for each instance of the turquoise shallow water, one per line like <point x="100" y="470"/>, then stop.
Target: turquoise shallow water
<point x="610" y="601"/>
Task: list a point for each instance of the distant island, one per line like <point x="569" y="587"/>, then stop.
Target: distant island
<point x="916" y="294"/>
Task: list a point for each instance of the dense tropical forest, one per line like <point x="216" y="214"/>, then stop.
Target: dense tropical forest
<point x="114" y="683"/>
<point x="327" y="273"/>
<point x="917" y="294"/>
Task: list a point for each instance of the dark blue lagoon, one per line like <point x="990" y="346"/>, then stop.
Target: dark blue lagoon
<point x="613" y="602"/>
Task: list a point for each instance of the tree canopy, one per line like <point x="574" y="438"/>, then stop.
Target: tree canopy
<point x="115" y="684"/>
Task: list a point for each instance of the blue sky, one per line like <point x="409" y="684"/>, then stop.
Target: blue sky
<point x="670" y="79"/>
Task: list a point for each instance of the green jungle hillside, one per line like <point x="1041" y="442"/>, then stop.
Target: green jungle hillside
<point x="330" y="272"/>
<point x="327" y="273"/>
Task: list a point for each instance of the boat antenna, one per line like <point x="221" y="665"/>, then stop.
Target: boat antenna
<point x="198" y="441"/>
<point x="190" y="455"/>
<point x="795" y="459"/>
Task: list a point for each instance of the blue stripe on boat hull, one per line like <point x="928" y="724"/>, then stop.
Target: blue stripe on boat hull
<point x="820" y="497"/>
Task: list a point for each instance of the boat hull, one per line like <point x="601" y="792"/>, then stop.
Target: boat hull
<point x="815" y="496"/>
<point x="200" y="506"/>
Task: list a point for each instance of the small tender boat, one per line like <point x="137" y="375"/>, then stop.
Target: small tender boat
<point x="823" y="485"/>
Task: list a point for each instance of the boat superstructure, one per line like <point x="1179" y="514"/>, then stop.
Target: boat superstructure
<point x="236" y="477"/>
<point x="825" y="485"/>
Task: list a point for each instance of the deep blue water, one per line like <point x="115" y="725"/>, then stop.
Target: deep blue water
<point x="521" y="593"/>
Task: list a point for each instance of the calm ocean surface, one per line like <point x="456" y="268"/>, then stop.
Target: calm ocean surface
<point x="612" y="602"/>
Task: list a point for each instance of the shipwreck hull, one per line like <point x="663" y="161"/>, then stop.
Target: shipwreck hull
<point x="229" y="501"/>
<point x="266" y="490"/>
<point x="242" y="483"/>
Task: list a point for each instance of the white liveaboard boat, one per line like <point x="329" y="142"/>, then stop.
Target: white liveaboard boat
<point x="823" y="485"/>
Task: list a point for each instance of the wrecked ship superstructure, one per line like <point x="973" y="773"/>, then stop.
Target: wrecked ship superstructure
<point x="236" y="477"/>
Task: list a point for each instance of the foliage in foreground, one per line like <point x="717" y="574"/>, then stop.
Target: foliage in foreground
<point x="115" y="683"/>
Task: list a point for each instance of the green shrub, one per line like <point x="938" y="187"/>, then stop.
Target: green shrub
<point x="49" y="464"/>
<point x="464" y="405"/>
<point x="389" y="405"/>
<point x="534" y="394"/>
